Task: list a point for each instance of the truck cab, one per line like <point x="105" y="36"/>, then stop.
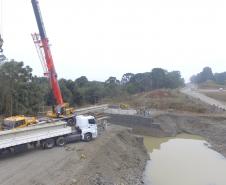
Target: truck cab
<point x="88" y="126"/>
<point x="85" y="129"/>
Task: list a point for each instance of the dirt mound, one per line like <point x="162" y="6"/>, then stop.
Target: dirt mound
<point x="120" y="161"/>
<point x="167" y="99"/>
<point x="159" y="94"/>
<point x="115" y="157"/>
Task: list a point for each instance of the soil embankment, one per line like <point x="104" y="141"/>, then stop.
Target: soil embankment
<point x="121" y="160"/>
<point x="116" y="157"/>
<point x="212" y="128"/>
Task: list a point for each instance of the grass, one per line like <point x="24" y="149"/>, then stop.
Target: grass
<point x="221" y="95"/>
<point x="163" y="99"/>
<point x="210" y="85"/>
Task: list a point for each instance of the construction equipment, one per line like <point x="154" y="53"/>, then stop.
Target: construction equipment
<point x="48" y="135"/>
<point x="123" y="106"/>
<point x="41" y="41"/>
<point x="18" y="121"/>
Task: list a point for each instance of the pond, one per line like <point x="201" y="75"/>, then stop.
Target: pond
<point x="183" y="160"/>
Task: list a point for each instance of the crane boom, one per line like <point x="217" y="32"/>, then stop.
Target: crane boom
<point x="42" y="43"/>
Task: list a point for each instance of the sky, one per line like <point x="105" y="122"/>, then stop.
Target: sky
<point x="105" y="38"/>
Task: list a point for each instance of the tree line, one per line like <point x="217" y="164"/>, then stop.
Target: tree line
<point x="23" y="93"/>
<point x="207" y="74"/>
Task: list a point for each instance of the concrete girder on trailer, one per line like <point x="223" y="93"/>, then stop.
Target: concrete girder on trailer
<point x="33" y="133"/>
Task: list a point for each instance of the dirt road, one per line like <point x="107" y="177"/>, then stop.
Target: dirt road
<point x="204" y="98"/>
<point x="115" y="157"/>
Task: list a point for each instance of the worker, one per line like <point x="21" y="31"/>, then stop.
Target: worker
<point x="1" y="43"/>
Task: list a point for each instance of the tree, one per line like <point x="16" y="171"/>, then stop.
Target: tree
<point x="126" y="78"/>
<point x="112" y="87"/>
<point x="81" y="81"/>
<point x="159" y="78"/>
<point x="112" y="81"/>
<point x="66" y="92"/>
<point x="220" y="78"/>
<point x="203" y="76"/>
<point x="140" y="82"/>
<point x="23" y="93"/>
<point x="16" y="87"/>
<point x="174" y="80"/>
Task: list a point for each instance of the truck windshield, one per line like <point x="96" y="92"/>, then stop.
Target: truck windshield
<point x="92" y="121"/>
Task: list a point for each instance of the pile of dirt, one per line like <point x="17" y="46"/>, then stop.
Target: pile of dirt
<point x="121" y="160"/>
<point x="167" y="99"/>
<point x="115" y="157"/>
<point x="159" y="94"/>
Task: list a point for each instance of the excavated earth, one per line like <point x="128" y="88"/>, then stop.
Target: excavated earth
<point x="211" y="127"/>
<point x="115" y="157"/>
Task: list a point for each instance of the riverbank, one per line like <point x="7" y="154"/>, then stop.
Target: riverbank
<point x="211" y="127"/>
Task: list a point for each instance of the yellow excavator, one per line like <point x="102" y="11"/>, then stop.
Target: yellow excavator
<point x="18" y="121"/>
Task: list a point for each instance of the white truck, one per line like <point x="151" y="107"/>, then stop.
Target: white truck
<point x="48" y="135"/>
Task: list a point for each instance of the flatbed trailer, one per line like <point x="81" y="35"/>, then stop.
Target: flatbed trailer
<point x="48" y="135"/>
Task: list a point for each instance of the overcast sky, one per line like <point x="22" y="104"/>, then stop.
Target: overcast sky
<point x="102" y="38"/>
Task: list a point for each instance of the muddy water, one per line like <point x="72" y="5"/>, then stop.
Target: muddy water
<point x="184" y="160"/>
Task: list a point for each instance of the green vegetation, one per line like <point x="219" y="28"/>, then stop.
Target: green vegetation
<point x="220" y="95"/>
<point x="207" y="76"/>
<point x="23" y="93"/>
<point x="164" y="99"/>
<point x="210" y="85"/>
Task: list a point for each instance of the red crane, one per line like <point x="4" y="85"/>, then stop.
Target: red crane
<point x="42" y="45"/>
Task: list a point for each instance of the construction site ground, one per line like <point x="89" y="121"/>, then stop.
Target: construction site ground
<point x="211" y="127"/>
<point x="118" y="155"/>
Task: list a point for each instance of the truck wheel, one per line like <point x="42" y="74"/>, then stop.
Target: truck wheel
<point x="60" y="141"/>
<point x="20" y="148"/>
<point x="49" y="143"/>
<point x="42" y="144"/>
<point x="88" y="137"/>
<point x="70" y="122"/>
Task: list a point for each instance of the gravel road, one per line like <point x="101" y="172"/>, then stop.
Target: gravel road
<point x="204" y="98"/>
<point x="115" y="156"/>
